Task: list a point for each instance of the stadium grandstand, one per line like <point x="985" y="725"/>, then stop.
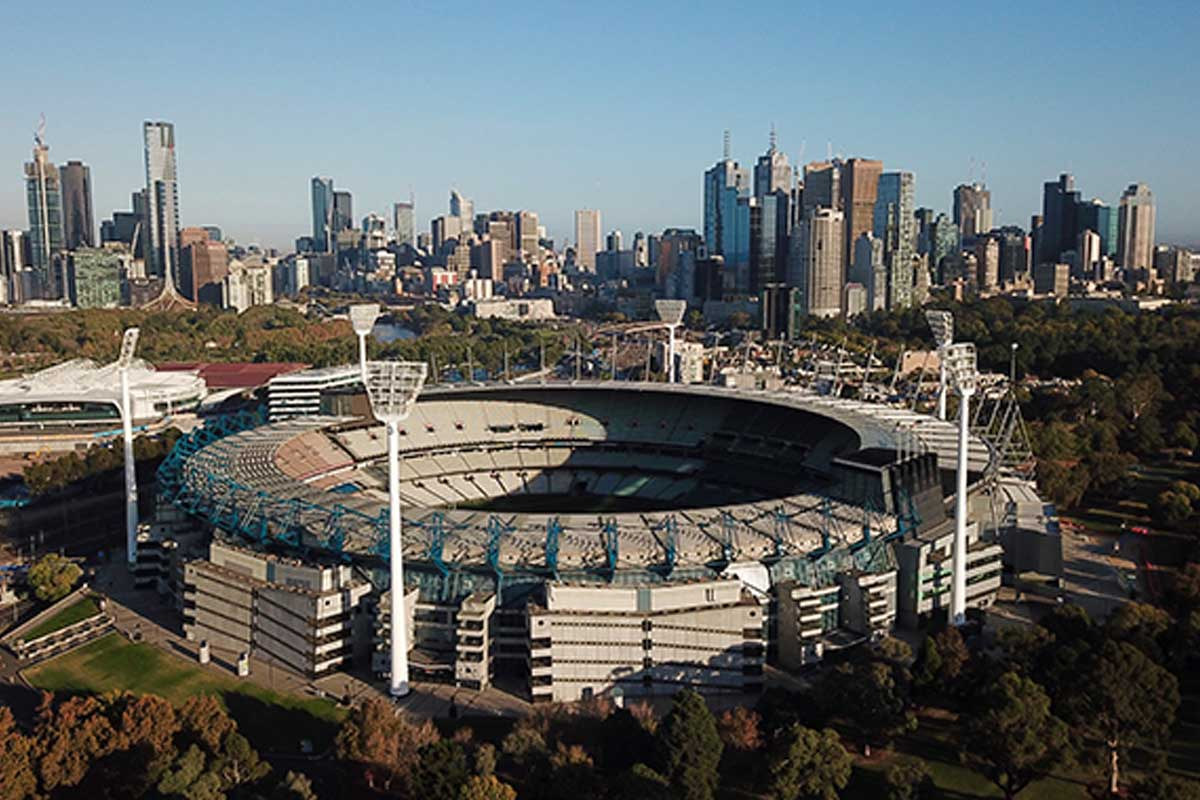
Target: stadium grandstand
<point x="74" y="402"/>
<point x="566" y="539"/>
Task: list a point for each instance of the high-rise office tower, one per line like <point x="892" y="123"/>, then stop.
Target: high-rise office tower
<point x="374" y="228"/>
<point x="770" y="231"/>
<point x="1101" y="218"/>
<point x="79" y="223"/>
<point x="462" y="207"/>
<point x="528" y="241"/>
<point x="43" y="193"/>
<point x="322" y="214"/>
<point x="343" y="213"/>
<point x="896" y="225"/>
<point x="816" y="262"/>
<point x="972" y="210"/>
<point x="859" y="191"/>
<point x="1014" y="256"/>
<point x="162" y="201"/>
<point x="443" y="229"/>
<point x="987" y="263"/>
<point x="1088" y="254"/>
<point x="587" y="238"/>
<point x="641" y="252"/>
<point x="724" y="183"/>
<point x="1135" y="224"/>
<point x="14" y="266"/>
<point x="404" y="223"/>
<point x="822" y="186"/>
<point x="772" y="173"/>
<point x="868" y="269"/>
<point x="943" y="242"/>
<point x="676" y="271"/>
<point x="1060" y="203"/>
<point x="613" y="242"/>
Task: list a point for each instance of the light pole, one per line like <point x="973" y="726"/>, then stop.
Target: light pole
<point x="128" y="345"/>
<point x="362" y="319"/>
<point x="392" y="388"/>
<point x="961" y="365"/>
<point x="671" y="313"/>
<point x="942" y="325"/>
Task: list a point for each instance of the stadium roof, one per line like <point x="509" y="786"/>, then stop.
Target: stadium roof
<point x="234" y="376"/>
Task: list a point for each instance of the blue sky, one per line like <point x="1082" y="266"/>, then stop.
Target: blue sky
<point x="608" y="105"/>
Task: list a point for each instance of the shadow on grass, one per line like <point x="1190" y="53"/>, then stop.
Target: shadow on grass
<point x="273" y="728"/>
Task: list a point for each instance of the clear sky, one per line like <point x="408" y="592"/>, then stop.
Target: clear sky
<point x="611" y="105"/>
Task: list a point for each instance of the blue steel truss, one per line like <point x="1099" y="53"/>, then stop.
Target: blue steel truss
<point x="666" y="530"/>
<point x="553" y="530"/>
<point x="612" y="537"/>
<point x="496" y="528"/>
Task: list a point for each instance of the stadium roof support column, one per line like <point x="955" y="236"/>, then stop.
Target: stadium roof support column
<point x="961" y="364"/>
<point x="128" y="345"/>
<point x="392" y="388"/>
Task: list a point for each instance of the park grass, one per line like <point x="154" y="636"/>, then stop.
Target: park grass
<point x="273" y="722"/>
<point x="78" y="611"/>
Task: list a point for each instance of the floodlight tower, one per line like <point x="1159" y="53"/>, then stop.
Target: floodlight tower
<point x="128" y="345"/>
<point x="961" y="365"/>
<point x="392" y="388"/>
<point x="671" y="313"/>
<point x="942" y="325"/>
<point x="362" y="319"/>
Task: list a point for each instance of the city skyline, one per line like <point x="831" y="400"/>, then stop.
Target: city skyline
<point x="592" y="160"/>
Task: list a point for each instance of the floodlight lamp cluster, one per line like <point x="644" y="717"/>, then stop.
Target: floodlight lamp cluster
<point x="363" y="316"/>
<point x="393" y="386"/>
<point x="961" y="366"/>
<point x="942" y="325"/>
<point x="670" y="311"/>
<point x="128" y="345"/>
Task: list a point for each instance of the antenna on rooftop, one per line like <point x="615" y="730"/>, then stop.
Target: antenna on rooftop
<point x="773" y="137"/>
<point x="725" y="148"/>
<point x="829" y="151"/>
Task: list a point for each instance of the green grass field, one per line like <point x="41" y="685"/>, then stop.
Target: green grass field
<point x="78" y="611"/>
<point x="272" y="721"/>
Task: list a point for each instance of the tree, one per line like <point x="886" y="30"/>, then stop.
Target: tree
<point x="383" y="744"/>
<point x="1014" y="738"/>
<point x="294" y="786"/>
<point x="1164" y="787"/>
<point x="1126" y="700"/>
<point x="690" y="748"/>
<point x="928" y="667"/>
<point x="868" y="696"/>
<point x="52" y="577"/>
<point x="739" y="729"/>
<point x="909" y="779"/>
<point x="17" y="777"/>
<point x="1142" y="625"/>
<point x="488" y="787"/>
<point x="441" y="771"/>
<point x="204" y="720"/>
<point x="809" y="764"/>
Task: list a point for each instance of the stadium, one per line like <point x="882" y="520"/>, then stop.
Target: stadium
<point x="569" y="539"/>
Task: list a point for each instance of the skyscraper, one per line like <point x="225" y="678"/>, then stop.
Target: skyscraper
<point x="162" y="201"/>
<point x="322" y="214"/>
<point x="1101" y="218"/>
<point x="972" y="210"/>
<point x="587" y="238"/>
<point x="404" y="223"/>
<point x="44" y="197"/>
<point x="463" y="208"/>
<point x="1136" y="229"/>
<point x="527" y="236"/>
<point x="769" y="236"/>
<point x="868" y="269"/>
<point x="816" y="262"/>
<point x="822" y="185"/>
<point x="772" y="173"/>
<point x="896" y="225"/>
<point x="343" y="214"/>
<point x="1060" y="219"/>
<point x="943" y="242"/>
<point x="859" y="190"/>
<point x="724" y="183"/>
<point x="79" y="223"/>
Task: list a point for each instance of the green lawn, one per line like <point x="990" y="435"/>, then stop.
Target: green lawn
<point x="76" y="612"/>
<point x="272" y="721"/>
